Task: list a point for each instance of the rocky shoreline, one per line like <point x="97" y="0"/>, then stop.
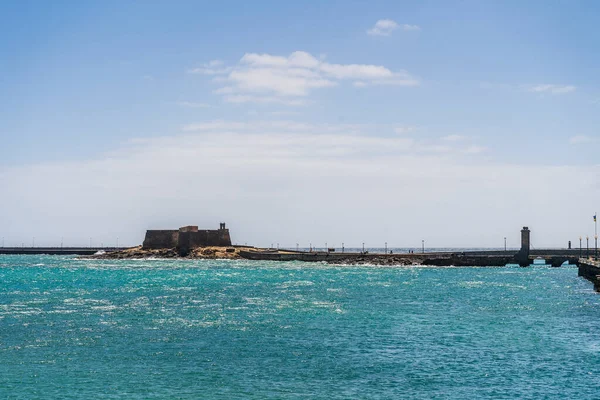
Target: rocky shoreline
<point x="237" y="253"/>
<point x="211" y="253"/>
<point x="233" y="253"/>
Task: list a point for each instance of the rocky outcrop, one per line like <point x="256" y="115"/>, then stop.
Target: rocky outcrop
<point x="209" y="252"/>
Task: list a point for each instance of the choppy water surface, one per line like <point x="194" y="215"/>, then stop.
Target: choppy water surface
<point x="234" y="329"/>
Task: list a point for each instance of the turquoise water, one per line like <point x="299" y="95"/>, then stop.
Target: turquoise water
<point x="236" y="329"/>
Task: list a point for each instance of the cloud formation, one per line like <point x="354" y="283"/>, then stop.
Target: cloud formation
<point x="266" y="78"/>
<point x="214" y="67"/>
<point x="385" y="27"/>
<point x="293" y="182"/>
<point x="551" y="89"/>
<point x="408" y="27"/>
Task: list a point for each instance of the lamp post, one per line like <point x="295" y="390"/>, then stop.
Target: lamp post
<point x="587" y="251"/>
<point x="423" y="246"/>
<point x="505" y="244"/>
<point x="385" y="247"/>
<point x="595" y="236"/>
<point x="363" y="249"/>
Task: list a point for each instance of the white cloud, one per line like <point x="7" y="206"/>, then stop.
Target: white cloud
<point x="266" y="78"/>
<point x="408" y="27"/>
<point x="298" y="59"/>
<point x="341" y="135"/>
<point x="278" y="126"/>
<point x="356" y="71"/>
<point x="291" y="182"/>
<point x="552" y="89"/>
<point x="582" y="139"/>
<point x="383" y="27"/>
<point x="214" y="63"/>
<point x="214" y="67"/>
<point x="279" y="81"/>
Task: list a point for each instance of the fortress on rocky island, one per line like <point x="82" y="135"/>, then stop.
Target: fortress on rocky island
<point x="186" y="238"/>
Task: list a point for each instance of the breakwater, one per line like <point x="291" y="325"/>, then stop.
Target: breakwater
<point x="494" y="258"/>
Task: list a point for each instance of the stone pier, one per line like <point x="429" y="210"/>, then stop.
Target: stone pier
<point x="590" y="270"/>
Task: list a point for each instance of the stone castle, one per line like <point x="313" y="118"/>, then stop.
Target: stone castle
<point x="186" y="238"/>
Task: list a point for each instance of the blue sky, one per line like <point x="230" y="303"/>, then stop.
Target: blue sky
<point x="499" y="99"/>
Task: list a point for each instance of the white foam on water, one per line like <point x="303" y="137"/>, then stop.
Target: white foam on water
<point x="104" y="308"/>
<point x="471" y="283"/>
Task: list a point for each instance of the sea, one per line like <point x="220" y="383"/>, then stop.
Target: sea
<point x="215" y="329"/>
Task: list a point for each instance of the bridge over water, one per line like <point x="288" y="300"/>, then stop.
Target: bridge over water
<point x="524" y="257"/>
<point x="83" y="251"/>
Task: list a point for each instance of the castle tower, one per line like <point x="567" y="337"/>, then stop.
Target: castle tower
<point x="522" y="257"/>
<point x="525" y="240"/>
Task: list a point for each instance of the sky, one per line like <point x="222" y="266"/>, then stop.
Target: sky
<point x="453" y="122"/>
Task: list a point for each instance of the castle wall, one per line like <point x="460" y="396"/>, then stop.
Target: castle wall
<point x="190" y="240"/>
<point x="161" y="239"/>
<point x="210" y="238"/>
<point x="189" y="228"/>
<point x="186" y="238"/>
